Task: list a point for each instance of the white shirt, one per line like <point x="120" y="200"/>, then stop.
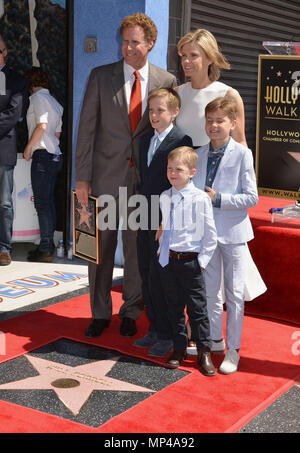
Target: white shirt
<point x="194" y="226"/>
<point x="160" y="138"/>
<point x="43" y="108"/>
<point x="129" y="81"/>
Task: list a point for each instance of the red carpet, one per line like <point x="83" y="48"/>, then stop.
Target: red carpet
<point x="195" y="403"/>
<point x="276" y="252"/>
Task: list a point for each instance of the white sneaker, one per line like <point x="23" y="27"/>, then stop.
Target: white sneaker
<point x="230" y="362"/>
<point x="217" y="347"/>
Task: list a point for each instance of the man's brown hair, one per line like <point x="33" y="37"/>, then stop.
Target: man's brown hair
<point x="141" y="20"/>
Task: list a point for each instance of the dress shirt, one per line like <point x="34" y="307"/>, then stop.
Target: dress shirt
<point x="213" y="163"/>
<point x="194" y="226"/>
<point x="43" y="108"/>
<point x="129" y="79"/>
<point x="160" y="138"/>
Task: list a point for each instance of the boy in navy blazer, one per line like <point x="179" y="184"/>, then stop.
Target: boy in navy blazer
<point x="225" y="170"/>
<point x="164" y="105"/>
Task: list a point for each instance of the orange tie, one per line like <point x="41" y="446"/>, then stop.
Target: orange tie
<point x="135" y="109"/>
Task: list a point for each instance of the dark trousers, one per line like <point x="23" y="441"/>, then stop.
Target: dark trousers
<point x="44" y="170"/>
<point x="6" y="207"/>
<point x="184" y="285"/>
<point x="153" y="293"/>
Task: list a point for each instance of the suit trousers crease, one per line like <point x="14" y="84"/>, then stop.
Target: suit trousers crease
<point x="100" y="276"/>
<point x="153" y="292"/>
<point x="228" y="263"/>
<point x="184" y="285"/>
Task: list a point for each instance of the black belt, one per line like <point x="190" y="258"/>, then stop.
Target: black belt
<point x="183" y="255"/>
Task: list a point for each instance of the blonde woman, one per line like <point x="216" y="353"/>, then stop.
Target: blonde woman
<point x="202" y="61"/>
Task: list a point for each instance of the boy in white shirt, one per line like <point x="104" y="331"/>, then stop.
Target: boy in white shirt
<point x="187" y="243"/>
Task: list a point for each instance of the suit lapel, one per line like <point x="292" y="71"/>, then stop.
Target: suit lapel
<point x="118" y="82"/>
<point x="200" y="176"/>
<point x="224" y="159"/>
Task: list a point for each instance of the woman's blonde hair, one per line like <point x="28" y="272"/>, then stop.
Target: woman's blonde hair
<point x="208" y="43"/>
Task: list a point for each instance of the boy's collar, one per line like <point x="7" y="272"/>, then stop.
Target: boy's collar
<point x="164" y="133"/>
<point x="219" y="150"/>
<point x="190" y="187"/>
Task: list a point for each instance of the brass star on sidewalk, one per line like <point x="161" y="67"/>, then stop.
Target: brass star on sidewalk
<point x="73" y="385"/>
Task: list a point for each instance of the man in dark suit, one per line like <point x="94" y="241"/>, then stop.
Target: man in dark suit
<point x="113" y="118"/>
<point x="164" y="105"/>
<point x="13" y="104"/>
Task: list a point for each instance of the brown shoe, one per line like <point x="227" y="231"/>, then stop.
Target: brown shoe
<point x="204" y="360"/>
<point x="5" y="258"/>
<point x="176" y="358"/>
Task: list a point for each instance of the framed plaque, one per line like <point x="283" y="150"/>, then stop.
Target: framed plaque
<point x="278" y="126"/>
<point x="86" y="236"/>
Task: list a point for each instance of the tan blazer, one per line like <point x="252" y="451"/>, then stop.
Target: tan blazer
<point x="105" y="143"/>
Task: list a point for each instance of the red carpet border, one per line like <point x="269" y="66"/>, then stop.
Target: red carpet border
<point x="269" y="366"/>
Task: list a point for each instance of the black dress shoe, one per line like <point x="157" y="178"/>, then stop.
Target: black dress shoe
<point x="128" y="327"/>
<point x="96" y="328"/>
<point x="38" y="256"/>
<point x="176" y="358"/>
<point x="204" y="360"/>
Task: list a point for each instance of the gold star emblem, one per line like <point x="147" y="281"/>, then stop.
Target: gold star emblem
<point x="84" y="216"/>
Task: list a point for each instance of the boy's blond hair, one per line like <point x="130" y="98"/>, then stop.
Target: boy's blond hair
<point x="227" y="106"/>
<point x="173" y="98"/>
<point x="186" y="154"/>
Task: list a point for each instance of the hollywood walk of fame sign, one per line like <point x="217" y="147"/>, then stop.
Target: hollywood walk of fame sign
<point x="86" y="235"/>
<point x="81" y="382"/>
<point x="278" y="126"/>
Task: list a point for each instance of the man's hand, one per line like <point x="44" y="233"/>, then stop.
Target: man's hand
<point x="83" y="190"/>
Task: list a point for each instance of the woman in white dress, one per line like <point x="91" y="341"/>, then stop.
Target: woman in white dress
<point x="202" y="60"/>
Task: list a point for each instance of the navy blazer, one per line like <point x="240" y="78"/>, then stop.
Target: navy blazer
<point x="13" y="105"/>
<point x="154" y="178"/>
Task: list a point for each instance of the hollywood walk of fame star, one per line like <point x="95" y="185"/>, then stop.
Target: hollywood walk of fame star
<point x="73" y="385"/>
<point x="84" y="216"/>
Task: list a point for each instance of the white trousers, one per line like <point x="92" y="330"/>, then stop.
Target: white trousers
<point x="227" y="260"/>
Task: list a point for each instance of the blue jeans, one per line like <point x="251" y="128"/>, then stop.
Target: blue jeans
<point x="44" y="170"/>
<point x="6" y="207"/>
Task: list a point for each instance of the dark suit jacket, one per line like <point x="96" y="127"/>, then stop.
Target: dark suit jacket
<point x="154" y="178"/>
<point x="105" y="143"/>
<point x="13" y="105"/>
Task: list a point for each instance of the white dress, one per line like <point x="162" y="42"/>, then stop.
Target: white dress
<point x="191" y="118"/>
